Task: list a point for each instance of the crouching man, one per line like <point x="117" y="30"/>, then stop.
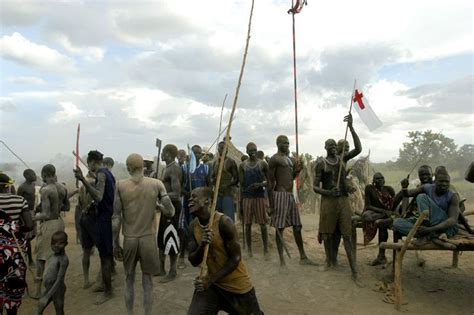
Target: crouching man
<point x="226" y="286"/>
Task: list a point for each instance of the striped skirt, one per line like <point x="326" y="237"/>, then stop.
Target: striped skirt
<point x="286" y="213"/>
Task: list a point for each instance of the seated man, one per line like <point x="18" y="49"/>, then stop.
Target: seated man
<point x="442" y="203"/>
<point x="226" y="286"/>
<point x="377" y="213"/>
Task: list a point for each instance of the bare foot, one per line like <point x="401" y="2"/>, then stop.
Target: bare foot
<point x="181" y="264"/>
<point x="307" y="262"/>
<point x="87" y="285"/>
<point x="101" y="299"/>
<point x="168" y="278"/>
<point x="356" y="280"/>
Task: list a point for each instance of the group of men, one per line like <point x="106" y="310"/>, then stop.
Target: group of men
<point x="262" y="189"/>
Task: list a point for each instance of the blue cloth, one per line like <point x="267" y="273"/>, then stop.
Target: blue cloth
<point x="436" y="216"/>
<point x="441" y="201"/>
<point x="198" y="178"/>
<point x="105" y="208"/>
<point x="225" y="204"/>
<point x="252" y="175"/>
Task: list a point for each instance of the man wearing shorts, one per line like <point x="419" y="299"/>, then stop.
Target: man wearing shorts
<point x="253" y="181"/>
<point x="135" y="211"/>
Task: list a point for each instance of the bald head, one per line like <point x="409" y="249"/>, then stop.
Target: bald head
<point x="134" y="163"/>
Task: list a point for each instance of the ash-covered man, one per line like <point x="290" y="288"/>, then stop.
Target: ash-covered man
<point x="50" y="222"/>
<point x="228" y="184"/>
<point x="335" y="213"/>
<point x="283" y="169"/>
<point x="227" y="285"/>
<point x="168" y="239"/>
<point x="102" y="192"/>
<point x="135" y="211"/>
<point x="28" y="191"/>
<point x="253" y="179"/>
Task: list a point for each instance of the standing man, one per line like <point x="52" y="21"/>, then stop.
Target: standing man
<point x="102" y="193"/>
<point x="227" y="285"/>
<point x="135" y="211"/>
<point x="86" y="216"/>
<point x="148" y="164"/>
<point x="283" y="169"/>
<point x="228" y="184"/>
<point x="50" y="222"/>
<point x="335" y="210"/>
<point x="168" y="239"/>
<point x="199" y="178"/>
<point x="253" y="179"/>
<point x="27" y="190"/>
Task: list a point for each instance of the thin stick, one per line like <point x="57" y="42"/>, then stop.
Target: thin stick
<point x="218" y="137"/>
<point x="345" y="139"/>
<point x="220" y="121"/>
<point x="80" y="159"/>
<point x="424" y="153"/>
<point x="19" y="158"/>
<point x="226" y="145"/>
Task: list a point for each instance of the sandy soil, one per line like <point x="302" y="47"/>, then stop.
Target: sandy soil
<point x="433" y="289"/>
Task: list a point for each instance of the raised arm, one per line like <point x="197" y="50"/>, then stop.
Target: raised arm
<point x="96" y="191"/>
<point x="357" y="144"/>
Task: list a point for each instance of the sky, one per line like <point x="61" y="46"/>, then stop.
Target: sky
<point x="133" y="71"/>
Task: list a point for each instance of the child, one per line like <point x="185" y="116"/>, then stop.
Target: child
<point x="54" y="275"/>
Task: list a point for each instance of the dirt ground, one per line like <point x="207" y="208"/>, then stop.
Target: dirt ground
<point x="435" y="288"/>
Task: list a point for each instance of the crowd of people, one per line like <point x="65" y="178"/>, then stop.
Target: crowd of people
<point x="260" y="190"/>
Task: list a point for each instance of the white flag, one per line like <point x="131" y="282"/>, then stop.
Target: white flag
<point x="365" y="112"/>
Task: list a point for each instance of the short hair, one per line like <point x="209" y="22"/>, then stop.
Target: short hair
<point x="196" y="146"/>
<point x="28" y="172"/>
<point x="328" y="141"/>
<point x="280" y="139"/>
<point x="59" y="234"/>
<point x="441" y="170"/>
<point x="251" y="144"/>
<point x="135" y="162"/>
<point x="425" y="167"/>
<point x="95" y="156"/>
<point x="377" y="174"/>
<point x="49" y="169"/>
<point x="172" y="149"/>
<point x="109" y="161"/>
<point x="260" y="154"/>
<point x="206" y="191"/>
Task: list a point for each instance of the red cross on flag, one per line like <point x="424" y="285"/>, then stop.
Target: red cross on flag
<point x="365" y="112"/>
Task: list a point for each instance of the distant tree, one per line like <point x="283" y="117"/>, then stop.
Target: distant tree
<point x="429" y="148"/>
<point x="465" y="155"/>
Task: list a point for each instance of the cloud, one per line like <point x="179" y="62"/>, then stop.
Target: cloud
<point x="443" y="98"/>
<point x="7" y="104"/>
<point x="26" y="80"/>
<point x="89" y="53"/>
<point x="69" y="112"/>
<point x="19" y="49"/>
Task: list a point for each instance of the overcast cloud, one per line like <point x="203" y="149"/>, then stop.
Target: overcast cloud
<point x="133" y="71"/>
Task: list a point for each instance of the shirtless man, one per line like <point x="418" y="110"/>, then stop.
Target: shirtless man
<point x="253" y="179"/>
<point x="283" y="169"/>
<point x="135" y="211"/>
<point x="54" y="275"/>
<point x="227" y="285"/>
<point x="228" y="184"/>
<point x="335" y="213"/>
<point x="168" y="239"/>
<point x="50" y="222"/>
<point x="102" y="193"/>
<point x="28" y="191"/>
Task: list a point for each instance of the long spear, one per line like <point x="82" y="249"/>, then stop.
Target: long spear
<point x="77" y="151"/>
<point x="345" y="139"/>
<point x="226" y="145"/>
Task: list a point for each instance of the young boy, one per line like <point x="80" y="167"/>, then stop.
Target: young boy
<point x="54" y="275"/>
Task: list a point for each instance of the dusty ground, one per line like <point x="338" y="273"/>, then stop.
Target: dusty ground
<point x="434" y="289"/>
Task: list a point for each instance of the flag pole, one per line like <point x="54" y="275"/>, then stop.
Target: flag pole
<point x="345" y="139"/>
<point x="295" y="84"/>
<point x="226" y="145"/>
